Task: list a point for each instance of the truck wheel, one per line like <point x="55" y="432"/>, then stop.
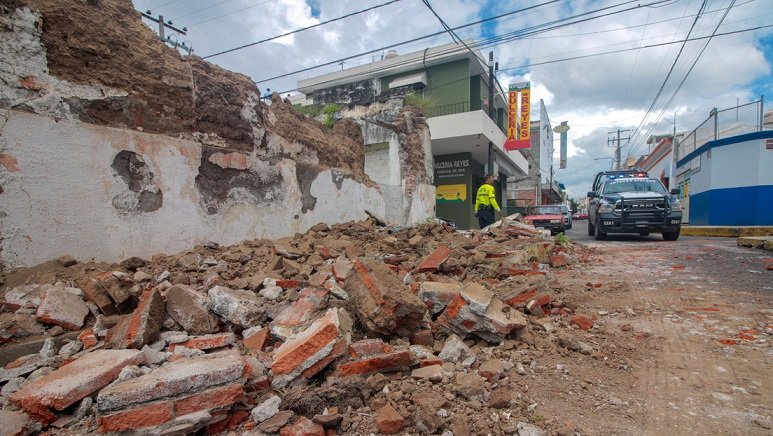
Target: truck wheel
<point x="671" y="236"/>
<point x="590" y="229"/>
<point x="598" y="234"/>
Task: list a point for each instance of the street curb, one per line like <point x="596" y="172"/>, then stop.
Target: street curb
<point x="727" y="231"/>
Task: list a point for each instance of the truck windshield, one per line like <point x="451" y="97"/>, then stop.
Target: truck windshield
<point x="618" y="186"/>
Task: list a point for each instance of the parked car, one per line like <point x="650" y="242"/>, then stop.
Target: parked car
<point x="567" y="216"/>
<point x="547" y="218"/>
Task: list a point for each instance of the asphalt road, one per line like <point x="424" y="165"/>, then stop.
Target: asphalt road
<point x="718" y="260"/>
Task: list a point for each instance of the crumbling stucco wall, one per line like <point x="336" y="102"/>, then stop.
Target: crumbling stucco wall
<point x="109" y="194"/>
<point x="113" y="145"/>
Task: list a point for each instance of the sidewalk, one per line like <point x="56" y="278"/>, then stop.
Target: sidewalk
<point x="748" y="236"/>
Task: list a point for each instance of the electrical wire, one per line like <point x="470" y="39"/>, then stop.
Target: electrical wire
<point x="684" y="79"/>
<point x="200" y="10"/>
<point x="487" y="43"/>
<point x="301" y="29"/>
<point x="230" y="13"/>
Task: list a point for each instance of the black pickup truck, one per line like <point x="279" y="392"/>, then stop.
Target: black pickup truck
<point x="633" y="203"/>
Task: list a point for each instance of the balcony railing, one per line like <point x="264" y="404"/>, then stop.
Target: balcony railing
<point x="458" y="108"/>
<point x="455" y="108"/>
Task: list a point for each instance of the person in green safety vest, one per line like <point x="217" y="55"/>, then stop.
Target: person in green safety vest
<point x="486" y="203"/>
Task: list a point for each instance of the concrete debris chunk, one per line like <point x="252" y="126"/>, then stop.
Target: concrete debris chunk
<point x="266" y="409"/>
<point x="97" y="294"/>
<point x="383" y="303"/>
<point x="73" y="382"/>
<point x="455" y="350"/>
<point x="236" y="306"/>
<point x="475" y="311"/>
<point x="61" y="307"/>
<point x="17" y="325"/>
<point x="437" y="296"/>
<point x="24" y="296"/>
<point x="188" y="308"/>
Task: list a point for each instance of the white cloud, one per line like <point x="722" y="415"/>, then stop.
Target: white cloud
<point x="596" y="94"/>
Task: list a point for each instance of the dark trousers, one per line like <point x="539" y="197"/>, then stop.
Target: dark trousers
<point x="485" y="216"/>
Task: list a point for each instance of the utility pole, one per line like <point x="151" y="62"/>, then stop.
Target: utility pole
<point x="161" y="30"/>
<point x="491" y="108"/>
<point x="617" y="149"/>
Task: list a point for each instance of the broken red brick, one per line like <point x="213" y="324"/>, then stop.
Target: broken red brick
<point x="303" y="427"/>
<point x="368" y="348"/>
<point x="71" y="383"/>
<point x="389" y="421"/>
<point x="582" y="322"/>
<point x="424" y="337"/>
<point x="146" y="416"/>
<point x="207" y="342"/>
<point x="558" y="261"/>
<point x="341" y="269"/>
<point x="288" y="284"/>
<point x="522" y="298"/>
<point x="383" y="303"/>
<point x="302" y="351"/>
<point x="258" y="340"/>
<point x="142" y="326"/>
<point x="88" y="338"/>
<point x="384" y="363"/>
<point x="433" y="261"/>
<point x="211" y="399"/>
<point x="94" y="292"/>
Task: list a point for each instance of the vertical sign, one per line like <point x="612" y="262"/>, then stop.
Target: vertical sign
<point x="515" y="139"/>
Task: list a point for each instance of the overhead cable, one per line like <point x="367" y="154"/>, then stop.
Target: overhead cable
<point x="301" y="29"/>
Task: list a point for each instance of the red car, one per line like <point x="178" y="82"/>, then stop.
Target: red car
<point x="548" y="218"/>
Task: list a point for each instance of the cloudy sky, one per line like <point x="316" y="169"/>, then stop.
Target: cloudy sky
<point x="601" y="65"/>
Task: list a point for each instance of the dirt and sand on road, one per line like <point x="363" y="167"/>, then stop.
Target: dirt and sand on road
<point x="692" y="321"/>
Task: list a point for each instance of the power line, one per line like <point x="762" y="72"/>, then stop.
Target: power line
<point x="230" y="13"/>
<point x="486" y="43"/>
<point x="301" y="29"/>
<point x="202" y="9"/>
<point x="684" y="79"/>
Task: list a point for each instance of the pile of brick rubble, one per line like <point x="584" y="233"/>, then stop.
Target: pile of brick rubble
<point x="346" y="330"/>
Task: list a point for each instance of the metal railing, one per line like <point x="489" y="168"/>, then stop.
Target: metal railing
<point x="746" y="118"/>
<point x="455" y="108"/>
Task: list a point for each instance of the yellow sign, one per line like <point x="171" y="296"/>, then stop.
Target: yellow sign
<point x="451" y="193"/>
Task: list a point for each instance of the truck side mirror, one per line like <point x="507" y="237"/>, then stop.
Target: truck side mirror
<point x="592" y="194"/>
<point x="675" y="191"/>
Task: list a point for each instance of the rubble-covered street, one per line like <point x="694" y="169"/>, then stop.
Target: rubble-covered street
<point x="367" y="329"/>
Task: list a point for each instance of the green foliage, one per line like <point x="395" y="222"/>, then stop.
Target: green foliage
<point x="536" y="418"/>
<point x="561" y="239"/>
<point x="575" y="205"/>
<point x="329" y="110"/>
<point x="423" y="103"/>
<point x="311" y="110"/>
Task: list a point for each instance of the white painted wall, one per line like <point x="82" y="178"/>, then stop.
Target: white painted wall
<point x="58" y="188"/>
